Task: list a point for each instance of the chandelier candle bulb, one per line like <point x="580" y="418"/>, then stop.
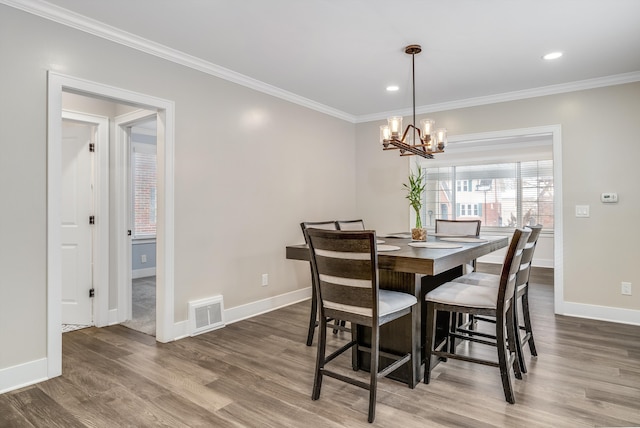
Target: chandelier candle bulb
<point x="441" y="138"/>
<point x="395" y="125"/>
<point x="427" y="128"/>
<point x="385" y="135"/>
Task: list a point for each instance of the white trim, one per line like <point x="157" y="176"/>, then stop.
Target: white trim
<point x="113" y="317"/>
<point x="556" y="136"/>
<point x="259" y="307"/>
<point x="101" y="228"/>
<point x="122" y="202"/>
<point x="142" y="273"/>
<point x="100" y="29"/>
<point x="558" y="230"/>
<point x="601" y="313"/>
<point x="23" y="375"/>
<point x="166" y="138"/>
<point x="616" y="79"/>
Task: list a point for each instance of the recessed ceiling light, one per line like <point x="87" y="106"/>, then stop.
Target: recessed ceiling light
<point x="552" y="55"/>
<point x="392" y="88"/>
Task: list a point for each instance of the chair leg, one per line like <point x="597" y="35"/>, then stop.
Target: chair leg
<point x="322" y="343"/>
<point x="503" y="355"/>
<point x="428" y="342"/>
<point x="312" y="318"/>
<point x="373" y="384"/>
<point x="527" y="322"/>
<point x="518" y="342"/>
<point x="454" y="319"/>
<point x="511" y="343"/>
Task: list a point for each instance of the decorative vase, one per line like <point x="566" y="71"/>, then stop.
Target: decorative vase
<point x="419" y="234"/>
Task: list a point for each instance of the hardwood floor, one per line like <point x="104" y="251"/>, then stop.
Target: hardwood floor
<point x="259" y="373"/>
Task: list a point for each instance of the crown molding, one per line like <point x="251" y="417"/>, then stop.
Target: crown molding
<point x="617" y="79"/>
<point x="97" y="28"/>
<point x="74" y="20"/>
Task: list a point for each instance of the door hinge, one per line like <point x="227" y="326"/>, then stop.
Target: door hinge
<point x="92" y="147"/>
<point x="92" y="292"/>
<point x="129" y="232"/>
<point x="92" y="219"/>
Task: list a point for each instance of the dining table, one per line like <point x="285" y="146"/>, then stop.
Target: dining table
<point x="414" y="267"/>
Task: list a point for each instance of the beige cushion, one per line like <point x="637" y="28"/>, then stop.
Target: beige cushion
<point x="388" y="303"/>
<point x="457" y="293"/>
<point x="479" y="278"/>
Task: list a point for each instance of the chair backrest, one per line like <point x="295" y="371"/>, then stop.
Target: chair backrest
<point x="510" y="268"/>
<point x="345" y="268"/>
<point x="326" y="225"/>
<point x="458" y="227"/>
<point x="350" y="224"/>
<point x="527" y="255"/>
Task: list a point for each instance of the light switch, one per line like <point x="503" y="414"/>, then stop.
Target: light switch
<point x="582" y="210"/>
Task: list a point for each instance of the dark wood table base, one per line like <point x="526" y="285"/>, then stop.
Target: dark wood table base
<point x="405" y="334"/>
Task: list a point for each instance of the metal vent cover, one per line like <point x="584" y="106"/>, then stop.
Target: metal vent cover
<point x="205" y="315"/>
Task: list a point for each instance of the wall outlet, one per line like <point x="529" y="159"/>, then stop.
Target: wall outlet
<point x="625" y="288"/>
<point x="143" y="258"/>
<point x="265" y="279"/>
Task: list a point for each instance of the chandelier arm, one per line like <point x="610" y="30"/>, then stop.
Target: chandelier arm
<point x="409" y="148"/>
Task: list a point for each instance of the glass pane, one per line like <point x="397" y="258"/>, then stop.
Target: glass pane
<point x="492" y="193"/>
<point x="501" y="195"/>
<point x="144" y="187"/>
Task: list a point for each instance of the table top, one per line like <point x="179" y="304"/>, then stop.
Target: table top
<point x="427" y="261"/>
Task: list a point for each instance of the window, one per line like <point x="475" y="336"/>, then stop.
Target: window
<point x="143" y="166"/>
<point x="507" y="194"/>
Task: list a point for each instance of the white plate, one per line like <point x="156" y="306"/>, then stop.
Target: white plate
<point x="464" y="239"/>
<point x="387" y="248"/>
<point x="448" y="235"/>
<point x="440" y="245"/>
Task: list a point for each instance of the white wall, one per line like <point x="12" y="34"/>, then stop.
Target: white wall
<point x="248" y="168"/>
<point x="600" y="151"/>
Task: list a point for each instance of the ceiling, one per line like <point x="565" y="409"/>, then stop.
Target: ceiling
<point x="342" y="54"/>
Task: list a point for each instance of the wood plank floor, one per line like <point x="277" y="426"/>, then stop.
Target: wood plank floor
<point x="258" y="373"/>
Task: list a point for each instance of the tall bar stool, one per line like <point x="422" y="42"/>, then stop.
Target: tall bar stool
<point x="521" y="296"/>
<point x="457" y="297"/>
<point x="469" y="228"/>
<point x="345" y="268"/>
<point x="350" y="224"/>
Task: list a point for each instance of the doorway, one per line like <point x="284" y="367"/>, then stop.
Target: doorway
<point x="117" y="230"/>
<point x="142" y="141"/>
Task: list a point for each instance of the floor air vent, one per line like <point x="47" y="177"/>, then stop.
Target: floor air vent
<point x="205" y="315"/>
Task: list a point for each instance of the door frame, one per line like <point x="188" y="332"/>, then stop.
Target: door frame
<point x="122" y="197"/>
<point x="57" y="83"/>
<point x="100" y="241"/>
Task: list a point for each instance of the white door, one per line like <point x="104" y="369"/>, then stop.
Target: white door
<point x="76" y="233"/>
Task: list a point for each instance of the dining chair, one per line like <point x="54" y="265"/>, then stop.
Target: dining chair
<point x="350" y="224"/>
<point x="470" y="228"/>
<point x="521" y="296"/>
<point x="345" y="268"/>
<point x="457" y="297"/>
<point x="313" y="317"/>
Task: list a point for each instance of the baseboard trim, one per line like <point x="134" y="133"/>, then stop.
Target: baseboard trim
<point x="23" y="375"/>
<point x="253" y="309"/>
<point x="113" y="317"/>
<point x="143" y="273"/>
<point x="601" y="313"/>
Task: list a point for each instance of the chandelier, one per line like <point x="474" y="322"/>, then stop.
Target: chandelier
<point x="423" y="141"/>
